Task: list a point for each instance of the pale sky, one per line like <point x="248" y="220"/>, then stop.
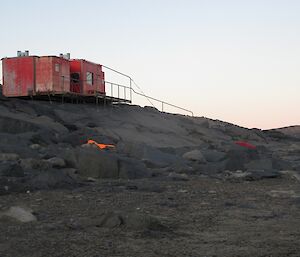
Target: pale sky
<point x="236" y="61"/>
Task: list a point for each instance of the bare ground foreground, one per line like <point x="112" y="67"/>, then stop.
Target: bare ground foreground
<point x="172" y="186"/>
<point x="199" y="217"/>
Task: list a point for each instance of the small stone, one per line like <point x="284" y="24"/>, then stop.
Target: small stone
<point x="178" y="176"/>
<point x="90" y="179"/>
<point x="142" y="222"/>
<point x="109" y="220"/>
<point x="237" y="174"/>
<point x="194" y="155"/>
<point x="35" y="146"/>
<point x="183" y="191"/>
<point x="9" y="157"/>
<point x="57" y="162"/>
<point x="20" y="214"/>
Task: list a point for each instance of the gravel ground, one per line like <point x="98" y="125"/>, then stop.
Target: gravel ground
<point x="158" y="217"/>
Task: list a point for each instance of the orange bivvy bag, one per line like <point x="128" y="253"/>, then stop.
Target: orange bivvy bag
<point x="101" y="146"/>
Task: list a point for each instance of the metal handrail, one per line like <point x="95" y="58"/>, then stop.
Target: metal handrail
<point x="143" y="94"/>
<point x="152" y="98"/>
<point x="164" y="103"/>
<point x="125" y="75"/>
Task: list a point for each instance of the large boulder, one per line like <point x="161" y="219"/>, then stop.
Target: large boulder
<point x="151" y="156"/>
<point x="132" y="169"/>
<point x="44" y="137"/>
<point x="29" y="164"/>
<point x="56" y="162"/>
<point x="11" y="169"/>
<point x="260" y="164"/>
<point x="96" y="163"/>
<point x="155" y="158"/>
<point x="194" y="155"/>
<point x="51" y="179"/>
<point x="237" y="157"/>
<point x="92" y="162"/>
<point x="15" y="146"/>
<point x="268" y="164"/>
<point x="213" y="155"/>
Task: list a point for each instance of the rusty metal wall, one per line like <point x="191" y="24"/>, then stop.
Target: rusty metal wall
<point x="31" y="75"/>
<point x="18" y="76"/>
<point x="52" y="75"/>
<point x="82" y="67"/>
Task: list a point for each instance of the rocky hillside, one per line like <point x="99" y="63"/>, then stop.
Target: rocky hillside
<point x="44" y="145"/>
<point x="293" y="131"/>
<point x="170" y="185"/>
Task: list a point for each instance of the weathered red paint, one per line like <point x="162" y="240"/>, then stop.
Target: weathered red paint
<point x="52" y="75"/>
<point x="18" y="76"/>
<point x="80" y="83"/>
<point x="34" y="75"/>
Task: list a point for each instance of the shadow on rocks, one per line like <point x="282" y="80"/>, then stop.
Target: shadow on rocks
<point x="52" y="179"/>
<point x="237" y="157"/>
<point x="96" y="163"/>
<point x="131" y="221"/>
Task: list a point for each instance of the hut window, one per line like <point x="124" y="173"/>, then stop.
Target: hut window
<point x="89" y="78"/>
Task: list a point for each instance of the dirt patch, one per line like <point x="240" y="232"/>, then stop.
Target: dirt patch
<point x="199" y="217"/>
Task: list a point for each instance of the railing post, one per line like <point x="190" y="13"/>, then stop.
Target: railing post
<point x="130" y="90"/>
<point x="162" y="106"/>
<point x="111" y="90"/>
<point x="63" y="89"/>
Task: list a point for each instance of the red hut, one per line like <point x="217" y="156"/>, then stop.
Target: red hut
<point x="87" y="78"/>
<point x="33" y="75"/>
